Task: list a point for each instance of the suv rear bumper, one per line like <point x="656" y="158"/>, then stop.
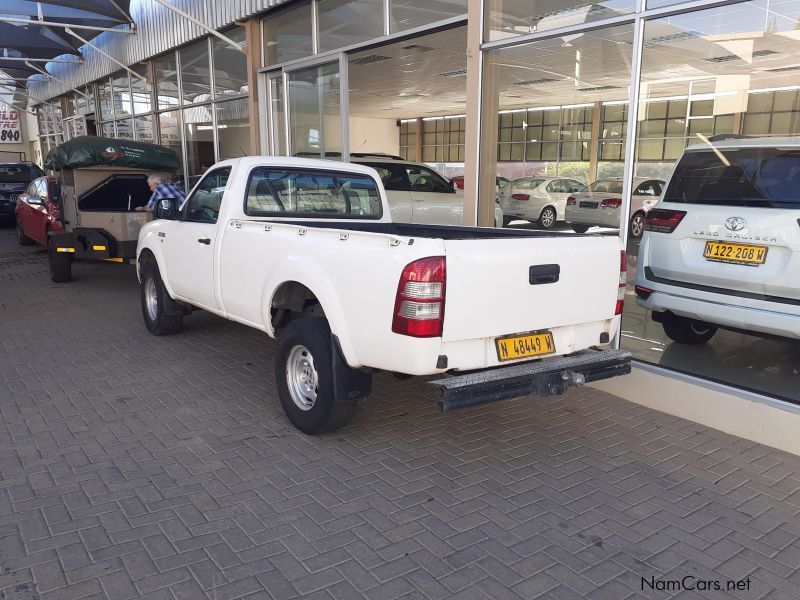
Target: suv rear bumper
<point x="724" y="310"/>
<point x="543" y="378"/>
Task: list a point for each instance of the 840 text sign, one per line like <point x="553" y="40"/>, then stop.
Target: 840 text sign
<point x="9" y="126"/>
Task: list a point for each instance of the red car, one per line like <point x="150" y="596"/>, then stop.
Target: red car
<point x="38" y="211"/>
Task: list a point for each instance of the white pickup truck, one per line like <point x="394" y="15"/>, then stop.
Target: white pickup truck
<point x="305" y="251"/>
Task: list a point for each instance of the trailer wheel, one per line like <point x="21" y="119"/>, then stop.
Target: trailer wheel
<point x="304" y="377"/>
<point x="60" y="264"/>
<point x="154" y="296"/>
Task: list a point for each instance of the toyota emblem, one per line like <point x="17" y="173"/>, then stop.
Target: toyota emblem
<point x="735" y="223"/>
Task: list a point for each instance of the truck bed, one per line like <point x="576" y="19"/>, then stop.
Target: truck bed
<point x="443" y="232"/>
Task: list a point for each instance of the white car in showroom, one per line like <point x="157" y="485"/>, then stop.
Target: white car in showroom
<point x="599" y="204"/>
<point x="722" y="247"/>
<point x="418" y="194"/>
<point x="541" y="200"/>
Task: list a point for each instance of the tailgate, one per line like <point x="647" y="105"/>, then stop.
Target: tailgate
<point x="489" y="289"/>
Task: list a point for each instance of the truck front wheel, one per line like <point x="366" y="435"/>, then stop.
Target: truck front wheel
<point x="304" y="377"/>
<point x="154" y="301"/>
<point x="60" y="264"/>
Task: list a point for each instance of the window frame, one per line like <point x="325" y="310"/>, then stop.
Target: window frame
<point x="333" y="173"/>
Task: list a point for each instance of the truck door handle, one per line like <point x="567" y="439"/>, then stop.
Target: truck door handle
<point x="206" y="241"/>
<point x="541" y="274"/>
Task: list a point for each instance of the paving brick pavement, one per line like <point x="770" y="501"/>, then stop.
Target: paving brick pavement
<point x="163" y="468"/>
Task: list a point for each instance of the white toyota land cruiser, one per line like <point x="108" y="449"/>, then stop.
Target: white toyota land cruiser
<point x="305" y="250"/>
<point x="722" y="247"/>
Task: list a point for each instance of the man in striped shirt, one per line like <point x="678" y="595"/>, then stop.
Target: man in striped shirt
<point x="161" y="190"/>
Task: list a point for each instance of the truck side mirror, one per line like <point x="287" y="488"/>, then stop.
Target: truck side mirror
<point x="166" y="209"/>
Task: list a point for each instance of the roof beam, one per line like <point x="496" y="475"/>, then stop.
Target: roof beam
<point x="40" y="60"/>
<point x="49" y="76"/>
<point x="104" y="53"/>
<point x="201" y="25"/>
<point x="62" y="25"/>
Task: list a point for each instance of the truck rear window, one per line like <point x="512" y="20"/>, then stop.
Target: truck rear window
<point x="761" y="177"/>
<point x="277" y="192"/>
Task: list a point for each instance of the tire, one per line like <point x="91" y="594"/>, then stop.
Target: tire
<point x="547" y="218"/>
<point x="60" y="265"/>
<point x="580" y="228"/>
<point x="304" y="377"/>
<point x="506" y="221"/>
<point x="154" y="300"/>
<point x="22" y="239"/>
<point x="688" y="331"/>
<point x="636" y="225"/>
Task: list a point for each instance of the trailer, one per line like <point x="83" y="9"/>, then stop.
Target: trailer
<point x="103" y="182"/>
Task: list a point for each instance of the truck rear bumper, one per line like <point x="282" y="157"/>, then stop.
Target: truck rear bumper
<point x="543" y="378"/>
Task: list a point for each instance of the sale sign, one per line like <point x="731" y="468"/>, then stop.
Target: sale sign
<point x="10" y="132"/>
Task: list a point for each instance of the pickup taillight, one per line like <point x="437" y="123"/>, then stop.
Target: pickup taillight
<point x="419" y="303"/>
<point x="623" y="282"/>
<point x="521" y="197"/>
<point x="611" y="203"/>
<point x="662" y="220"/>
<point x="572" y="201"/>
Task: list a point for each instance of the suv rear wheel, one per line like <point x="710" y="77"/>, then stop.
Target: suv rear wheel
<point x="688" y="331"/>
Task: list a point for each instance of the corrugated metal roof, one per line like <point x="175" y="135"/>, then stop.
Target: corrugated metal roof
<point x="158" y="30"/>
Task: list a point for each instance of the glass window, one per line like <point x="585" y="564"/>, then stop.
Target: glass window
<point x="233" y="128"/>
<point x="141" y="90"/>
<point x="308" y="193"/>
<point x="85" y="101"/>
<point x="230" y="65"/>
<point x="719" y="234"/>
<point x="199" y="134"/>
<point x="106" y="99"/>
<point x="169" y="133"/>
<point x="287" y="34"/>
<point x="165" y="72"/>
<point x="394" y="176"/>
<point x="195" y="72"/>
<point x="408" y="14"/>
<point x="204" y="203"/>
<point x="509" y="18"/>
<point x="315" y="119"/>
<point x="277" y="116"/>
<point x="122" y="94"/>
<point x="144" y="129"/>
<point x="347" y="22"/>
<point x="125" y="129"/>
<point x="425" y="180"/>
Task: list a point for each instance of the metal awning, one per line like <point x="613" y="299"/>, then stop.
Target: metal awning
<point x="34" y="33"/>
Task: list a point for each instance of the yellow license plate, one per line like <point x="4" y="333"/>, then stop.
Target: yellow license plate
<point x="525" y="346"/>
<point x="740" y="254"/>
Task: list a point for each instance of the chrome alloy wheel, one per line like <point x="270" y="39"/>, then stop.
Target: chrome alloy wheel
<point x="151" y="298"/>
<point x="548" y="218"/>
<point x="302" y="378"/>
<point x="637" y="225"/>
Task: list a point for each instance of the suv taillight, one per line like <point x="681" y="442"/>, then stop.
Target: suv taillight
<point x="419" y="303"/>
<point x="572" y="201"/>
<point x="611" y="202"/>
<point x="662" y="220"/>
<point x="520" y="196"/>
<point x="623" y="282"/>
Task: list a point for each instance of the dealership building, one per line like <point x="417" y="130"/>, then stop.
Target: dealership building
<point x="483" y="89"/>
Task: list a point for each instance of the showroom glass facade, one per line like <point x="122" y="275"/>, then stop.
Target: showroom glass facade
<point x="192" y="99"/>
<point x="674" y="75"/>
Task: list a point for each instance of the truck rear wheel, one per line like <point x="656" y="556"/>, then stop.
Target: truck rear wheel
<point x="154" y="301"/>
<point x="687" y="331"/>
<point x="304" y="376"/>
<point x="60" y="264"/>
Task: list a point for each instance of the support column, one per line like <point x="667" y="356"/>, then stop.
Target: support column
<point x="480" y="151"/>
<point x="419" y="139"/>
<point x="738" y="123"/>
<point x="253" y="52"/>
<point x="594" y="149"/>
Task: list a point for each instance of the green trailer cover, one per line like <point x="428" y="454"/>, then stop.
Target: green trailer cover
<point x="93" y="151"/>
